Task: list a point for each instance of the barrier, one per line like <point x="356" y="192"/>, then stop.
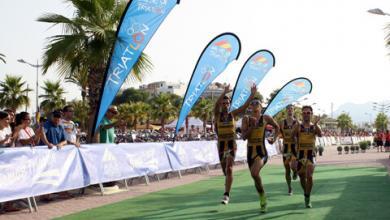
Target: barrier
<point x="28" y="172"/>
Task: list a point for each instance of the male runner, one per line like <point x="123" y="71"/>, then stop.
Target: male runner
<point x="289" y="146"/>
<point x="253" y="129"/>
<point x="225" y="129"/>
<point x="305" y="134"/>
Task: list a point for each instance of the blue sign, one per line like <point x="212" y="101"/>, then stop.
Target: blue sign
<point x="288" y="94"/>
<point x="140" y="21"/>
<point x="214" y="59"/>
<point x="253" y="71"/>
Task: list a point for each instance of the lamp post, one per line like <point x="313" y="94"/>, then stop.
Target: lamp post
<point x="377" y="11"/>
<point x="36" y="91"/>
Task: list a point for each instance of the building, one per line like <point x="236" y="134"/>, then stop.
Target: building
<point x="214" y="90"/>
<point x="329" y="124"/>
<point x="156" y="88"/>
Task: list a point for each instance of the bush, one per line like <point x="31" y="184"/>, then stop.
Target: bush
<point x="363" y="145"/>
<point x="320" y="150"/>
<point x="346" y="149"/>
<point x="339" y="148"/>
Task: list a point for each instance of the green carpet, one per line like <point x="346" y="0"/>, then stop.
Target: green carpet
<point x="339" y="193"/>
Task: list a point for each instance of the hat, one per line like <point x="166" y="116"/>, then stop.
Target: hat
<point x="113" y="109"/>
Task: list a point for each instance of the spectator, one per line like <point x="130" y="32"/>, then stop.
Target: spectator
<point x="69" y="126"/>
<point x="5" y="130"/>
<point x="193" y="133"/>
<point x="24" y="133"/>
<point x="54" y="133"/>
<point x="11" y="114"/>
<point x="106" y="128"/>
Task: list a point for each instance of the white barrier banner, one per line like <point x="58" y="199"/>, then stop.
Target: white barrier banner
<point x="186" y="155"/>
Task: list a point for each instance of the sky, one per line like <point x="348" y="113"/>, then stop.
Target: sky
<point x="335" y="43"/>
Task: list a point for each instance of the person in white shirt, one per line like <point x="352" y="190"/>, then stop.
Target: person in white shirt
<point x="25" y="134"/>
<point x="69" y="126"/>
<point x="5" y="130"/>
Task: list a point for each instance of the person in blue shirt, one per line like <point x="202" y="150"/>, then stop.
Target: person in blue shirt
<point x="54" y="131"/>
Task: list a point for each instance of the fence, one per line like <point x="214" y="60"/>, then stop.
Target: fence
<point x="27" y="172"/>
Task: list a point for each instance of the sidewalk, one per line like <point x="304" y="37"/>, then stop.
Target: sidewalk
<point x="59" y="208"/>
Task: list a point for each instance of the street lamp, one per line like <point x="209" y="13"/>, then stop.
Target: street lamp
<point x="36" y="91"/>
<point x="377" y="11"/>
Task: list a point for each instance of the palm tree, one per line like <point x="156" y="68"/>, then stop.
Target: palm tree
<point x="80" y="78"/>
<point x="2" y="57"/>
<point x="162" y="108"/>
<point x="344" y="121"/>
<point x="125" y="112"/>
<point x="80" y="113"/>
<point x="381" y="121"/>
<point x="86" y="44"/>
<point x="12" y="94"/>
<point x="138" y="110"/>
<point x="53" y="97"/>
<point x="203" y="110"/>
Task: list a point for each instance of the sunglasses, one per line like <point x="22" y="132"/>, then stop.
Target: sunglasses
<point x="306" y="113"/>
<point x="255" y="103"/>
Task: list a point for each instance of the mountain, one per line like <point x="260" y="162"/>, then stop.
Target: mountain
<point x="360" y="112"/>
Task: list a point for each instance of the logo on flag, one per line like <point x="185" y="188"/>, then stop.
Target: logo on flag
<point x="259" y="62"/>
<point x="154" y="6"/>
<point x="221" y="50"/>
<point x="207" y="72"/>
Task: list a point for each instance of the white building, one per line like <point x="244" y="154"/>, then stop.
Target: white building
<point x="214" y="90"/>
<point x="156" y="88"/>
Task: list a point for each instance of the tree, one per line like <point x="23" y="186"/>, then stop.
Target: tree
<point x="12" y="93"/>
<point x="86" y="44"/>
<point x="344" y="121"/>
<point x="80" y="78"/>
<point x="81" y="110"/>
<point x="2" y="58"/>
<point x="381" y="121"/>
<point x="162" y="108"/>
<point x="272" y="95"/>
<point x="131" y="95"/>
<point x="204" y="110"/>
<point x="139" y="111"/>
<point x="53" y="96"/>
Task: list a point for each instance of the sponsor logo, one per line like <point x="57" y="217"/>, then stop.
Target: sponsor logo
<point x="258" y="62"/>
<point x="245" y="92"/>
<point x="207" y="73"/>
<point x="221" y="50"/>
<point x="299" y="84"/>
<point x="137" y="32"/>
<point x="299" y="87"/>
<point x="153" y="6"/>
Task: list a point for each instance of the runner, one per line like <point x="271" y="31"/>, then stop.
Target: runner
<point x="289" y="147"/>
<point x="225" y="129"/>
<point x="253" y="129"/>
<point x="306" y="133"/>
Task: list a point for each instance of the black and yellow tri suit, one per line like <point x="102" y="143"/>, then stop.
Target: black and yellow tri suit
<point x="226" y="136"/>
<point x="256" y="147"/>
<point x="289" y="146"/>
<point x="306" y="144"/>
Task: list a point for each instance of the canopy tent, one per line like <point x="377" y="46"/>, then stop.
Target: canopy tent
<point x="191" y="121"/>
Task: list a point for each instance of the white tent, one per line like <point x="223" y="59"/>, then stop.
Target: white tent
<point x="191" y="121"/>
